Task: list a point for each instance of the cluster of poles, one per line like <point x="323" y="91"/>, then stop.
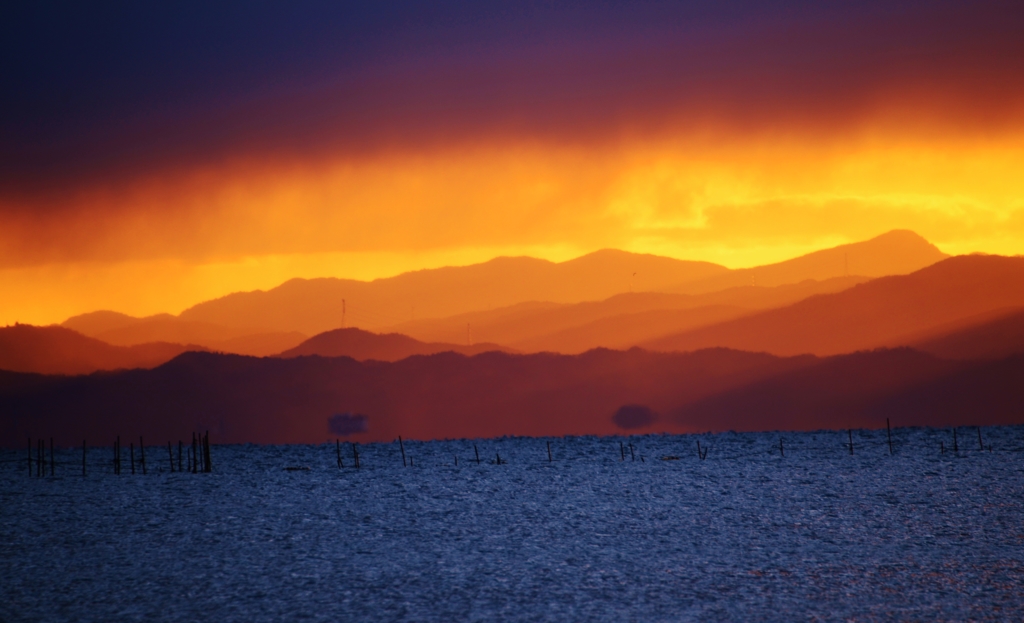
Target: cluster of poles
<point x="476" y="451"/>
<point x="194" y="458"/>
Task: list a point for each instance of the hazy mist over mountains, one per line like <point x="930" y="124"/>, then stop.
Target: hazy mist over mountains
<point x="508" y="347"/>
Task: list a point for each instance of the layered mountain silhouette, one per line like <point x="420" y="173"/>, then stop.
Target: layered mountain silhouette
<point x="277" y="400"/>
<point x="897" y="252"/>
<point x="123" y="330"/>
<point x="843" y="338"/>
<point x="273" y="400"/>
<point x="620" y="322"/>
<point x="364" y="345"/>
<point x="57" y="350"/>
<point x="862" y="390"/>
<point x="994" y="335"/>
<point x="311" y="306"/>
<point x="889" y="311"/>
<point x="315" y="305"/>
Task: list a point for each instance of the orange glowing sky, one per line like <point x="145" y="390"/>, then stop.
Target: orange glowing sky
<point x="751" y="165"/>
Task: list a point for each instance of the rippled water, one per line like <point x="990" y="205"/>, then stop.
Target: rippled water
<point x="745" y="534"/>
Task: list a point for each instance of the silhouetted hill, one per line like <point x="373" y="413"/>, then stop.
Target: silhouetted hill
<point x="839" y="389"/>
<point x="621" y="321"/>
<point x="56" y="350"/>
<point x="315" y="305"/>
<point x="889" y="311"/>
<point x="996" y="336"/>
<point x="863" y="389"/>
<point x="272" y="400"/>
<point x="364" y="345"/>
<point x="897" y="252"/>
<point x="123" y="330"/>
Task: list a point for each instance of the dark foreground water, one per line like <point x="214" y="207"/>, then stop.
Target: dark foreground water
<point x="746" y="534"/>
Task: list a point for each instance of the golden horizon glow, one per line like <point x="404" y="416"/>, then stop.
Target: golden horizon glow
<point x="172" y="240"/>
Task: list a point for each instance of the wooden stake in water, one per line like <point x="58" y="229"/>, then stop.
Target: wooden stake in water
<point x="888" y="432"/>
<point x="981" y="446"/>
<point x="956" y="448"/>
<point x="355" y="454"/>
<point x="622" y="452"/>
<point x="402" y="448"/>
<point x="850" y="434"/>
<point x="632" y="456"/>
<point x="142" y="452"/>
<point x="195" y="457"/>
<point x="497" y="460"/>
<point x="549" y="452"/>
<point x="337" y="447"/>
<point x="782" y="450"/>
<point x="700" y="455"/>
<point x="170" y="456"/>
<point x="180" y="447"/>
<point x="477" y="454"/>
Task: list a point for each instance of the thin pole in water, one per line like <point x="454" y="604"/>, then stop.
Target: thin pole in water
<point x="549" y="452"/>
<point x="83" y="457"/>
<point x="401" y="446"/>
<point x="888" y="432"/>
<point x="497" y="459"/>
<point x="53" y="464"/>
<point x="849" y="432"/>
<point x="782" y="450"/>
<point x="700" y="455"/>
<point x="622" y="452"/>
<point x="477" y="454"/>
<point x="170" y="456"/>
<point x="981" y="446"/>
<point x="456" y="460"/>
<point x="179" y="455"/>
<point x="337" y="447"/>
<point x="195" y="457"/>
<point x="355" y="454"/>
<point x="956" y="448"/>
<point x="632" y="456"/>
<point x="142" y="451"/>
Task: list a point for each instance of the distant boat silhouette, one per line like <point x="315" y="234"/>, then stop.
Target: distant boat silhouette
<point x="347" y="423"/>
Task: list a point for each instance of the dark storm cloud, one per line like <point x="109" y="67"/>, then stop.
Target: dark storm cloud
<point x="97" y="93"/>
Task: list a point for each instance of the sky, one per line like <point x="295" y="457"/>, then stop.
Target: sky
<point x="154" y="156"/>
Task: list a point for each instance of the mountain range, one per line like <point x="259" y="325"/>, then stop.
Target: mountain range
<point x="274" y="400"/>
<point x="799" y="344"/>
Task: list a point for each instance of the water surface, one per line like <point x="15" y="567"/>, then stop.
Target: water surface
<point x="747" y="534"/>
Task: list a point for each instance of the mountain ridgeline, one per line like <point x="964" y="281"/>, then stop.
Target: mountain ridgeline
<point x="447" y="395"/>
<point x="845" y="337"/>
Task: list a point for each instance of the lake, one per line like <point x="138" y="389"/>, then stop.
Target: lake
<point x="595" y="534"/>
